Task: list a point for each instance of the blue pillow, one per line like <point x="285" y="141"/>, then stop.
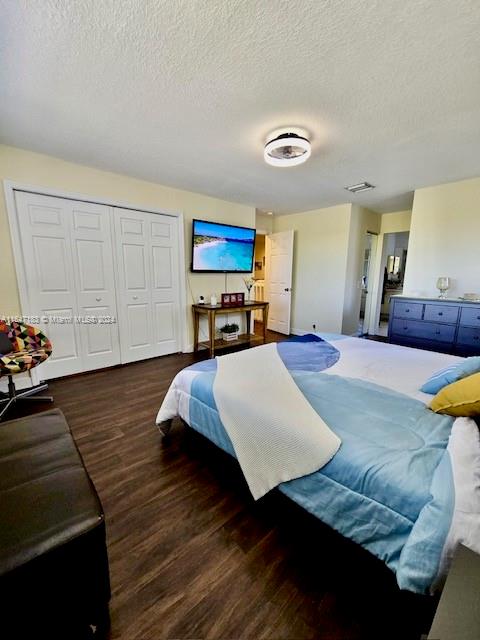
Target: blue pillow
<point x="454" y="372"/>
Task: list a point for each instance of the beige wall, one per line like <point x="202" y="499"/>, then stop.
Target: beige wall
<point x="444" y="239"/>
<point x="319" y="267"/>
<point x="362" y="220"/>
<point x="39" y="170"/>
<point x="263" y="222"/>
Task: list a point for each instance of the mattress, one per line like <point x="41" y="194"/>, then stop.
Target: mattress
<point x="405" y="482"/>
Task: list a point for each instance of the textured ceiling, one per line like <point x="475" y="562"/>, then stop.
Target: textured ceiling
<point x="184" y="92"/>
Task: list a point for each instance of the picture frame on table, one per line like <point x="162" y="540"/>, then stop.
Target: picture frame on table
<point x="233" y="299"/>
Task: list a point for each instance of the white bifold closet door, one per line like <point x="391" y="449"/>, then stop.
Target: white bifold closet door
<point x="69" y="277"/>
<point x="148" y="284"/>
<point x="81" y="260"/>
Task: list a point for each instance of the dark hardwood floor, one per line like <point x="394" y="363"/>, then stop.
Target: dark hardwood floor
<point x="191" y="554"/>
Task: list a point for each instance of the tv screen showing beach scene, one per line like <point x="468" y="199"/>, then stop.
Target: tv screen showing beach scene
<point x="222" y="247"/>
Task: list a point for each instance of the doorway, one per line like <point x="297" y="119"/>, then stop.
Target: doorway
<point x="392" y="273"/>
<point x="369" y="249"/>
<point x="259" y="277"/>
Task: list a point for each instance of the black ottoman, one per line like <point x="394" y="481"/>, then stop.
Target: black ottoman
<point x="54" y="578"/>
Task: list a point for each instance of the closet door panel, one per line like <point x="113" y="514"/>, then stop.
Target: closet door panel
<point x="148" y="283"/>
<point x="164" y="322"/>
<point x="95" y="284"/>
<point x="44" y="224"/>
<point x="165" y="284"/>
<point x="133" y="285"/>
<point x="68" y="265"/>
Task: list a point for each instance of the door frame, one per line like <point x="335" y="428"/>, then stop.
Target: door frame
<point x="9" y="189"/>
<point x="370" y="279"/>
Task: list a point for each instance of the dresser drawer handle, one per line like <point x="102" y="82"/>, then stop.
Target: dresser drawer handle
<point x="440" y="313"/>
<point x="478" y="317"/>
<point x="437" y="333"/>
<point x="405" y="328"/>
<point x="475" y="337"/>
<point x="407" y="310"/>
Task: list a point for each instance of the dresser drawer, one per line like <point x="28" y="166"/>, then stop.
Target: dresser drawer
<point x="470" y="316"/>
<point x="407" y="310"/>
<point x="440" y="313"/>
<point x="469" y="336"/>
<point x="423" y="330"/>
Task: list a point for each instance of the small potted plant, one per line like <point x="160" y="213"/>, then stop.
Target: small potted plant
<point x="230" y="331"/>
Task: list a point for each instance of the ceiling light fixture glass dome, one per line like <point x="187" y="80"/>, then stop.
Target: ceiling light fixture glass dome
<point x="287" y="149"/>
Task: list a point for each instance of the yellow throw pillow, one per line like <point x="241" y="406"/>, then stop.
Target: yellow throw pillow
<point x="461" y="398"/>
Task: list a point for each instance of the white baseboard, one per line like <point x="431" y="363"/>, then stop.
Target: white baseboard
<point x="299" y="332"/>
<point x="188" y="349"/>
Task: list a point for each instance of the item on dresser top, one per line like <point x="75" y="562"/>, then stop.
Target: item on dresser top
<point x="451" y="374"/>
<point x="443" y="285"/>
<point x="460" y="399"/>
<point x="213" y="300"/>
<point x="201" y="300"/>
<point x="473" y="297"/>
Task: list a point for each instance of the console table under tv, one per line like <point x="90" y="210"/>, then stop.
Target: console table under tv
<point x="211" y="312"/>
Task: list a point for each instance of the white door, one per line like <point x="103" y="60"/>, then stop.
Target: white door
<point x="44" y="225"/>
<point x="147" y="284"/>
<point x="278" y="279"/>
<point x="95" y="284"/>
<point x="67" y="267"/>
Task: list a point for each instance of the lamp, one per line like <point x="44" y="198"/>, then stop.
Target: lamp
<point x="287" y="150"/>
<point x="443" y="285"/>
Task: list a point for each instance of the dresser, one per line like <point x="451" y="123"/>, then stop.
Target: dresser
<point x="448" y="326"/>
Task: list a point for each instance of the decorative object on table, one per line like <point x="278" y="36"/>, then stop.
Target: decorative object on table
<point x="213" y="300"/>
<point x="443" y="285"/>
<point x="230" y="331"/>
<point x="233" y="299"/>
<point x="472" y="297"/>
<point x="201" y="300"/>
<point x="249" y="282"/>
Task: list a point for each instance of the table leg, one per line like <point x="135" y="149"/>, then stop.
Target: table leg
<point x="196" y="323"/>
<point x="211" y="332"/>
<point x="248" y="315"/>
<point x="265" y="322"/>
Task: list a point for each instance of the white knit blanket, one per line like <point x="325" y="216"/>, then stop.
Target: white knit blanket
<point x="276" y="433"/>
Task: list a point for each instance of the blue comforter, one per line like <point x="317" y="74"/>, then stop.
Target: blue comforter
<point x="390" y="485"/>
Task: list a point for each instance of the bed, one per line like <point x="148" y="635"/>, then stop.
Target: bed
<point x="405" y="482"/>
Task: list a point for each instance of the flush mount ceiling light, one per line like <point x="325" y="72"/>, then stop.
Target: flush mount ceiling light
<point x="361" y="186"/>
<point x="286" y="149"/>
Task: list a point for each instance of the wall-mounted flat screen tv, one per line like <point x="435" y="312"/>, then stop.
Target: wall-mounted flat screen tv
<point x="222" y="247"/>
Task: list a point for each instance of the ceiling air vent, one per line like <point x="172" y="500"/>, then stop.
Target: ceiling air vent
<point x="361" y="186"/>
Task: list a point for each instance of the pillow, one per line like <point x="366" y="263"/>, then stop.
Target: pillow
<point x="451" y="374"/>
<point x="462" y="398"/>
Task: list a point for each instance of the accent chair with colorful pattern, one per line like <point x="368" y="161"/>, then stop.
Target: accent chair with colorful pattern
<point x="22" y="347"/>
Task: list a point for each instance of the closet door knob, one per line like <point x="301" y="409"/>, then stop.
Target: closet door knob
<point x="135" y="297"/>
<point x="98" y="299"/>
